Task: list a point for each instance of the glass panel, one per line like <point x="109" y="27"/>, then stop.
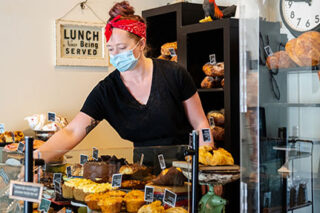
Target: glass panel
<point x="280" y="105"/>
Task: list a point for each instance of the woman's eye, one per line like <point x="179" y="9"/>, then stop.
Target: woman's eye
<point x="122" y="48"/>
<point x="110" y="50"/>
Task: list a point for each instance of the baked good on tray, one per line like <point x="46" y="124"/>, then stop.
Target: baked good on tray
<point x="110" y="204"/>
<point x="210" y="82"/>
<point x="134" y="200"/>
<point x="212" y="157"/>
<point x="214" y="70"/>
<point x="176" y="210"/>
<point x="134" y="171"/>
<point x="133" y="184"/>
<point x="170" y="177"/>
<point x="154" y="207"/>
<point x="279" y="60"/>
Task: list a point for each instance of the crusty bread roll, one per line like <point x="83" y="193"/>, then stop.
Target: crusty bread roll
<point x="279" y="60"/>
<point x="210" y="82"/>
<point x="305" y="50"/>
<point x="217" y="133"/>
<point x="165" y="48"/>
<point x="217" y="117"/>
<point x="216" y="70"/>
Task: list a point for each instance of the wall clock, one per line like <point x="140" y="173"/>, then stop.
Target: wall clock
<point x="300" y="16"/>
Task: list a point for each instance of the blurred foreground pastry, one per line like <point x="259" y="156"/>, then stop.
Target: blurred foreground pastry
<point x="210" y="157"/>
<point x="154" y="207"/>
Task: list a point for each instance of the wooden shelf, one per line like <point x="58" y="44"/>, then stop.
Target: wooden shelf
<point x="211" y="90"/>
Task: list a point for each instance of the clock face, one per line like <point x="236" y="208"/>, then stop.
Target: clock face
<point x="300" y="15"/>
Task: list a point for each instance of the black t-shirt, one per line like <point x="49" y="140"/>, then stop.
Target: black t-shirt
<point x="161" y="121"/>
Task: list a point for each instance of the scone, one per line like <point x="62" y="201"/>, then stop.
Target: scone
<point x="110" y="204"/>
<point x="134" y="200"/>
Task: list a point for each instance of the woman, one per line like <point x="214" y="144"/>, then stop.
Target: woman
<point x="148" y="101"/>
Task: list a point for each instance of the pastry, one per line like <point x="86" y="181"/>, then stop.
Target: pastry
<point x="18" y="136"/>
<point x="134" y="171"/>
<point x="170" y="177"/>
<point x="110" y="204"/>
<point x="101" y="171"/>
<point x="154" y="207"/>
<point x="165" y="49"/>
<point x="209" y="156"/>
<point x="279" y="60"/>
<point x="210" y="82"/>
<point x="116" y="193"/>
<point x="8" y="137"/>
<point x="93" y="199"/>
<point x="217" y="133"/>
<point x="134" y="200"/>
<point x="218" y="118"/>
<point x="222" y="82"/>
<point x="176" y="210"/>
<point x="133" y="184"/>
<point x="214" y="70"/>
<point x="305" y="50"/>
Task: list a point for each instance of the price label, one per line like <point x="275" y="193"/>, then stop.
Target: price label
<point x="83" y="159"/>
<point x="116" y="180"/>
<point x="44" y="167"/>
<point x="4" y="176"/>
<point x="148" y="193"/>
<point x="212" y="59"/>
<point x="162" y="161"/>
<point x="69" y="173"/>
<point x="141" y="159"/>
<point x="172" y="52"/>
<point x="169" y="198"/>
<point x="268" y="50"/>
<point x="44" y="205"/>
<point x="52" y="116"/>
<point x="20" y="147"/>
<point x="211" y="121"/>
<point x="57" y="177"/>
<point x="25" y="191"/>
<point x="1" y="128"/>
<point x="206" y="136"/>
<point x="95" y="154"/>
<point x="57" y="187"/>
<point x="68" y="211"/>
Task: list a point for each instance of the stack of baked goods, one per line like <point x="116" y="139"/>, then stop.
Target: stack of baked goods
<point x="301" y="51"/>
<point x="214" y="75"/>
<point x="214" y="157"/>
<point x="135" y="176"/>
<point x="10" y="137"/>
<point x="169" y="52"/>
<point x="14" y="146"/>
<point x="216" y="121"/>
<point x="156" y="207"/>
<point x="79" y="188"/>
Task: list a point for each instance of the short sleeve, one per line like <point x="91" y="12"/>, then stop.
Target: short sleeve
<point x="186" y="84"/>
<point x="93" y="105"/>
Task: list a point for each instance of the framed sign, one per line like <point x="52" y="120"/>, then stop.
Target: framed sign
<point x="80" y="44"/>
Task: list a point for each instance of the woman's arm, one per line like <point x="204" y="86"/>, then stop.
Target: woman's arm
<point x="67" y="138"/>
<point x="196" y="116"/>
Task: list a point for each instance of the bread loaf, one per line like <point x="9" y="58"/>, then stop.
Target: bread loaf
<point x="279" y="60"/>
<point x="216" y="70"/>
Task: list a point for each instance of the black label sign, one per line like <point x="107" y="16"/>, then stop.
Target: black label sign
<point x="211" y="121"/>
<point x="69" y="173"/>
<point x="206" y="136"/>
<point x="95" y="153"/>
<point x="169" y="198"/>
<point x="172" y="52"/>
<point x="83" y="159"/>
<point x="148" y="193"/>
<point x="116" y="180"/>
<point x="52" y="116"/>
<point x="44" y="205"/>
<point x="268" y="50"/>
<point x="162" y="161"/>
<point x="25" y="191"/>
<point x="20" y="147"/>
<point x="4" y="176"/>
<point x="57" y="177"/>
<point x="212" y="59"/>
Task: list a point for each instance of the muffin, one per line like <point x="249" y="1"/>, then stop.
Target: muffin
<point x="110" y="204"/>
<point x="134" y="200"/>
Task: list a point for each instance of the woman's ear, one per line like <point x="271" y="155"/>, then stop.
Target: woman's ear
<point x="143" y="44"/>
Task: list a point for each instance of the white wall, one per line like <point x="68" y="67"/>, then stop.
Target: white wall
<point x="30" y="82"/>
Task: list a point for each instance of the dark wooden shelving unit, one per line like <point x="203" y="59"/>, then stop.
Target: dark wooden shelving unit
<point x="196" y="41"/>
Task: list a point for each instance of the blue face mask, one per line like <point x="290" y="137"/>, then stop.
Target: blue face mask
<point x="124" y="61"/>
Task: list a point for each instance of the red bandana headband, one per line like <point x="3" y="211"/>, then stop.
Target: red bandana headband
<point x="136" y="27"/>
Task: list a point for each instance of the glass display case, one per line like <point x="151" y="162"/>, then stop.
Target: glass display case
<point x="279" y="104"/>
<point x="96" y="180"/>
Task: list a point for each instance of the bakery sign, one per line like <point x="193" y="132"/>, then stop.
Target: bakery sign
<point x="80" y="44"/>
